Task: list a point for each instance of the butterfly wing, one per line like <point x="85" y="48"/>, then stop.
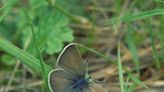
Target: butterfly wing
<point x="60" y="81"/>
<point x="71" y="61"/>
<point x="95" y="87"/>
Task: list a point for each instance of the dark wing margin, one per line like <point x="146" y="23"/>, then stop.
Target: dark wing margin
<point x="70" y="60"/>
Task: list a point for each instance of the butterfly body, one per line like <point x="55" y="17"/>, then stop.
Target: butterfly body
<point x="80" y="83"/>
<point x="72" y="75"/>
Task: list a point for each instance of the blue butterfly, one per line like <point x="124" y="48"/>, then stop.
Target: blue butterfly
<point x="71" y="75"/>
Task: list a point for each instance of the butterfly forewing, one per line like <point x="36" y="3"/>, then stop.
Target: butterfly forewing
<point x="60" y="81"/>
<point x="71" y="61"/>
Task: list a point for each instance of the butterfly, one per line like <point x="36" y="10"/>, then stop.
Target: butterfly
<point x="72" y="73"/>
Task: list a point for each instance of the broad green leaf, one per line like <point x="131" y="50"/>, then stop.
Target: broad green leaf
<point x="51" y="31"/>
<point x="56" y="38"/>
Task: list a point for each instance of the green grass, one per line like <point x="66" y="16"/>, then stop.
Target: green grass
<point x="161" y="32"/>
<point x="132" y="47"/>
<point x="24" y="56"/>
<point x="44" y="72"/>
<point x="124" y="85"/>
<point x="7" y="8"/>
<point x="29" y="36"/>
<point x="152" y="39"/>
<point x="139" y="16"/>
<point x="107" y="58"/>
<point x="120" y="71"/>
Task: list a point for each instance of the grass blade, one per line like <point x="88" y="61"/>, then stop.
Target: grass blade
<point x="44" y="73"/>
<point x="6" y="8"/>
<point x="25" y="57"/>
<point x="143" y="15"/>
<point x="133" y="48"/>
<point x="152" y="39"/>
<point x="109" y="59"/>
<point x="161" y="35"/>
<point x="137" y="81"/>
<point x="132" y="17"/>
<point x="120" y="71"/>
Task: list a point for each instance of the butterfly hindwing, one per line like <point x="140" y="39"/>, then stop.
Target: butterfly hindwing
<point x="60" y="80"/>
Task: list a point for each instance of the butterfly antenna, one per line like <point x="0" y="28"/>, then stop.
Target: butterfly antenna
<point x="87" y="70"/>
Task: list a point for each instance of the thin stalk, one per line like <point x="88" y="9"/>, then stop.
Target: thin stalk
<point x="44" y="73"/>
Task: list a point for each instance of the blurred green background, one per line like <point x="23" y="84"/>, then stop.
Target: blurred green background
<point x="98" y="24"/>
